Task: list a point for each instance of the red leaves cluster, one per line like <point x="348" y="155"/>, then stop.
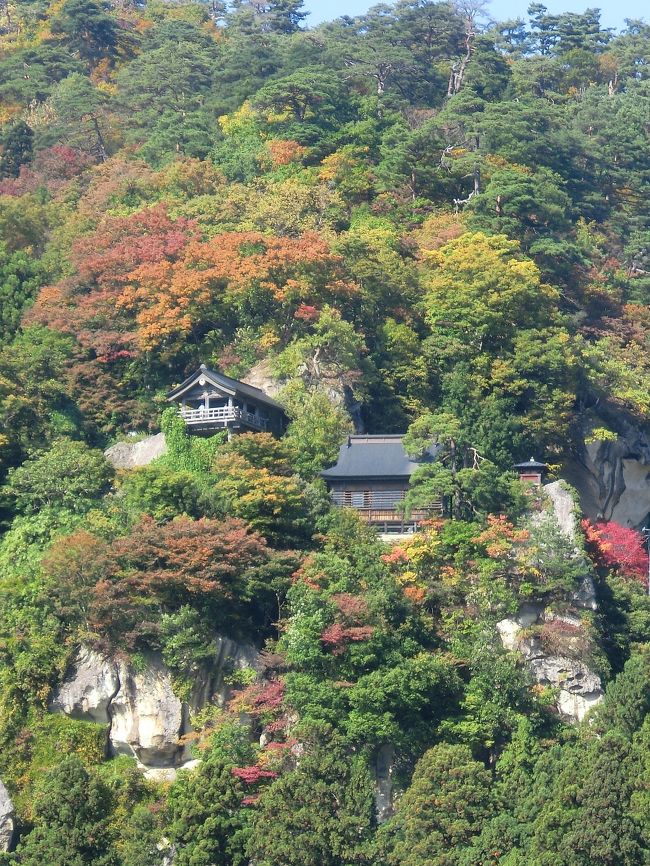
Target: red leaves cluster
<point x="260" y="698"/>
<point x="353" y="610"/>
<point x="52" y="168"/>
<point x="87" y="304"/>
<point x="337" y="636"/>
<point x="615" y="546"/>
<point x="307" y="313"/>
<point x="351" y="607"/>
<point x="253" y="774"/>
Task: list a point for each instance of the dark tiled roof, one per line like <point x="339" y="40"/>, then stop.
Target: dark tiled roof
<point x="374" y="457"/>
<point x="531" y="464"/>
<point x="227" y="382"/>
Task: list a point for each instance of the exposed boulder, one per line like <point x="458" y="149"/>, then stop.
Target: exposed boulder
<point x="563" y="507"/>
<point x="144" y="718"/>
<point x="261" y="376"/>
<point x="565" y="511"/>
<point x="88" y="688"/>
<point x="579" y="688"/>
<point x="338" y="391"/>
<point x="510" y="628"/>
<point x="212" y="685"/>
<point x="612" y="477"/>
<point x="6" y="819"/>
<point x="147" y="718"/>
<point x="130" y="455"/>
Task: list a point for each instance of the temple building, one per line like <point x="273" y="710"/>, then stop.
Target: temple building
<point x="372" y="475"/>
<point x="531" y="472"/>
<point x="209" y="401"/>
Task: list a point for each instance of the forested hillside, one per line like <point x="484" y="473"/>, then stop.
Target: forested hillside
<point x="415" y="220"/>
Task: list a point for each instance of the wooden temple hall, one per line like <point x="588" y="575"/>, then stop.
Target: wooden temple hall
<point x="209" y="401"/>
<point x="372" y="475"/>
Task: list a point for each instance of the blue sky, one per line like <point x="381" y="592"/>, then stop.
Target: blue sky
<point x="613" y="11"/>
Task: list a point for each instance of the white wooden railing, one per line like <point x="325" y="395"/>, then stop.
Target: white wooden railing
<point x="222" y="415"/>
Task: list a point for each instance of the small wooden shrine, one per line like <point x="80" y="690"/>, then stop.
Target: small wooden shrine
<point x="209" y="401"/>
<point x="532" y="472"/>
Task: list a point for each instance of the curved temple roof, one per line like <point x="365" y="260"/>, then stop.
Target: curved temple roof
<point x="374" y="457"/>
<point x="219" y="380"/>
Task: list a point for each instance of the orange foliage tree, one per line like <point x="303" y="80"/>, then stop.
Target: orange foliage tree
<point x="228" y="274"/>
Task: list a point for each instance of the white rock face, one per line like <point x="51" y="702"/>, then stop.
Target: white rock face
<point x="146" y="716"/>
<point x="509" y="628"/>
<point x="563" y="508"/>
<point x="88" y="689"/>
<point x="612" y="476"/>
<point x="127" y="455"/>
<point x="230" y="657"/>
<point x="579" y="688"/>
<point x="6" y="819"/>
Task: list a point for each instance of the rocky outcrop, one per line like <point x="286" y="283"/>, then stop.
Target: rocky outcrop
<point x="612" y="477"/>
<point x="340" y="393"/>
<point x="383" y="767"/>
<point x="261" y="376"/>
<point x="211" y="685"/>
<point x="144" y="717"/>
<point x="6" y="819"/>
<point x="88" y="689"/>
<point x="564" y="507"/>
<point x="130" y="455"/>
<point x="147" y="719"/>
<point x="565" y="512"/>
<point x="578" y="687"/>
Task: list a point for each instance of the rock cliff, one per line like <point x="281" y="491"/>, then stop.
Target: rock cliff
<point x="6" y="819"/>
<point x="144" y="717"/>
<point x="130" y="455"/>
<point x="578" y="688"/>
<point x="612" y="476"/>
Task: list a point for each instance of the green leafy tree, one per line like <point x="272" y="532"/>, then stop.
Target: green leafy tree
<point x="87" y="29"/>
<point x="70" y="475"/>
<point x="70" y="821"/>
<point x="208" y="825"/>
<point x="17" y="149"/>
<point x="20" y="278"/>
<point x="319" y="814"/>
<point x="445" y="806"/>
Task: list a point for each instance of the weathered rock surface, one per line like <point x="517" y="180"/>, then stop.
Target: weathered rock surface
<point x="6" y="819"/>
<point x="261" y="376"/>
<point x="338" y="391"/>
<point x="88" y="689"/>
<point x="130" y="455"/>
<point x="579" y="688"/>
<point x="230" y="656"/>
<point x="612" y="478"/>
<point x="509" y="628"/>
<point x="383" y="767"/>
<point x="147" y="718"/>
<point x="563" y="508"/>
<point x="144" y="718"/>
